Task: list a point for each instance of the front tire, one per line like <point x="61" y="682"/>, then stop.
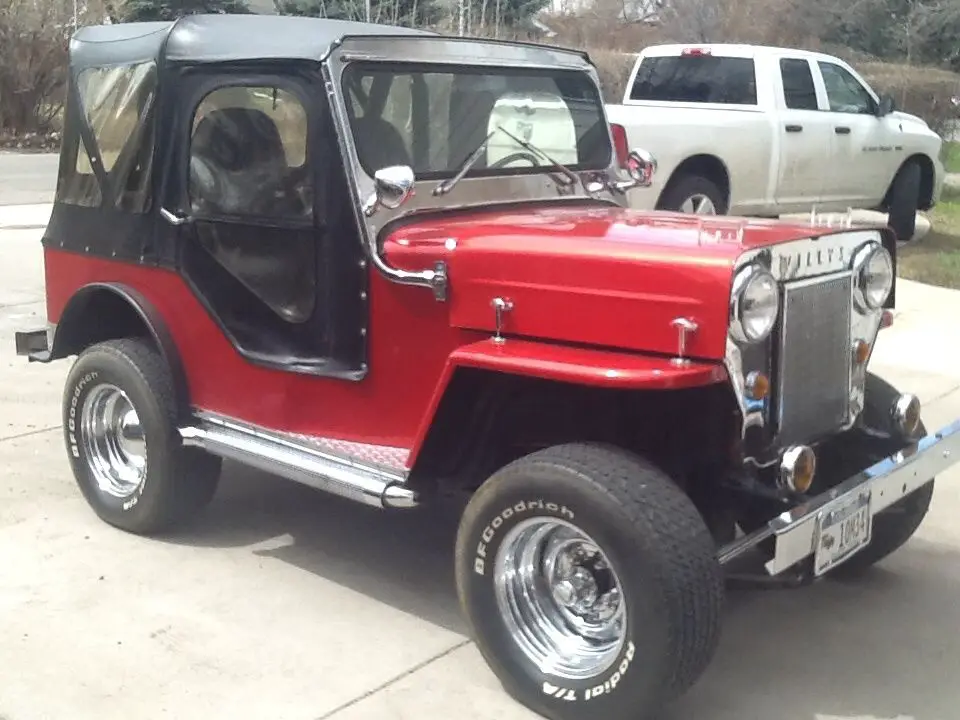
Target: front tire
<point x="119" y="421"/>
<point x="590" y="582"/>
<point x="904" y="202"/>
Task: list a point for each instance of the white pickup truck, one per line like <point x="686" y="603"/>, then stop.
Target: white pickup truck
<point x="763" y="131"/>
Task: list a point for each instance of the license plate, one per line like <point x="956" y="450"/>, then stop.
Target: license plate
<point x="842" y="531"/>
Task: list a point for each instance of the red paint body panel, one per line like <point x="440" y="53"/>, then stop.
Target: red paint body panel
<point x="607" y="277"/>
<point x="582" y="366"/>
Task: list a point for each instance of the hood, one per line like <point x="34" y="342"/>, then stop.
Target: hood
<point x="600" y="276"/>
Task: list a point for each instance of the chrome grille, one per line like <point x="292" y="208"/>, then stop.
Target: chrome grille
<point x="814" y="364"/>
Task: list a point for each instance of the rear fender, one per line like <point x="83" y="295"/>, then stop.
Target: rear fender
<point x="576" y="366"/>
<point x="84" y="322"/>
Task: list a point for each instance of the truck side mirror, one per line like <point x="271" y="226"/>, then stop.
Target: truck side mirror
<point x="885" y="106"/>
<point x="393" y="186"/>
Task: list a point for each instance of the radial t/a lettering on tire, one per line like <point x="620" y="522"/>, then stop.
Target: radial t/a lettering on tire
<point x="119" y="422"/>
<point x="590" y="582"/>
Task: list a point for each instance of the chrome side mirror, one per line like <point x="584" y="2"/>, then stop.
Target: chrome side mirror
<point x="640" y="166"/>
<point x="393" y="186"/>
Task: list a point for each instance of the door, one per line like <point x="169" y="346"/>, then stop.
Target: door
<point x="256" y="248"/>
<point x="804" y="138"/>
<point x="863" y="158"/>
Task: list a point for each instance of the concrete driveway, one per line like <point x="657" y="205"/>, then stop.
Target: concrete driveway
<point x="283" y="603"/>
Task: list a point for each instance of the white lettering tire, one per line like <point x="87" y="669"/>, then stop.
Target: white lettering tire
<point x="618" y="522"/>
<point x="120" y="430"/>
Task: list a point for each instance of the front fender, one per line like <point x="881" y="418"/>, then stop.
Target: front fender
<point x="578" y="366"/>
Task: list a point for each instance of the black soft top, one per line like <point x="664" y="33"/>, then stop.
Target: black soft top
<point x="218" y="38"/>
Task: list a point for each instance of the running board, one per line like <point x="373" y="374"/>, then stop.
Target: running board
<point x="368" y="474"/>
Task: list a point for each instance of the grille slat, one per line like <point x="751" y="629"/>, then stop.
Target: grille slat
<point x="814" y="364"/>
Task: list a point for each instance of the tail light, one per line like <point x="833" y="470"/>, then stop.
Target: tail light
<point x="620" y="143"/>
<point x="695" y="51"/>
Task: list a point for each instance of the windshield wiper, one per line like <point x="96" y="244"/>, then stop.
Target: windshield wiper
<point x="448" y="184"/>
<point x="572" y="178"/>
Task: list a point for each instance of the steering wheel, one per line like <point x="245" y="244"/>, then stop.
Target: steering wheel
<point x="532" y="159"/>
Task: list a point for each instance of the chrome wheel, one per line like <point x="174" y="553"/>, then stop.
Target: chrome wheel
<point x="561" y="598"/>
<point x="698" y="204"/>
<point x="113" y="441"/>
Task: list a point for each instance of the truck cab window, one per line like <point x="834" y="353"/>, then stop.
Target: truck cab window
<point x="844" y="92"/>
<point x="799" y="92"/>
<point x="696" y="79"/>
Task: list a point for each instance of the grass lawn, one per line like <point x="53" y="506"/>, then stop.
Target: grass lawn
<point x="951" y="156"/>
<point x="935" y="259"/>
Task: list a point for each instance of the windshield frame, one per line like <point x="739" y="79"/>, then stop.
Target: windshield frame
<point x="473" y="191"/>
<point x="421" y="125"/>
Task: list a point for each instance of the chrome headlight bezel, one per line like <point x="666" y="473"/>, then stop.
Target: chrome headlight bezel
<point x="864" y="297"/>
<point x="752" y="277"/>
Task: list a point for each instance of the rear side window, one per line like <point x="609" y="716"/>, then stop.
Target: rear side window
<point x="696" y="79"/>
<point x="799" y="92"/>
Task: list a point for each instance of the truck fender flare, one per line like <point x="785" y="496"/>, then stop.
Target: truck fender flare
<point x="573" y="365"/>
<point x="65" y="343"/>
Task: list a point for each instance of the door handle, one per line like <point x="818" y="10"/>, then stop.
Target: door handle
<point x="842" y="130"/>
<point x="794" y="128"/>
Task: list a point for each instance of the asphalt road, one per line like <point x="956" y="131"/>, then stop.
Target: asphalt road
<point x="283" y="603"/>
<point x="28" y="178"/>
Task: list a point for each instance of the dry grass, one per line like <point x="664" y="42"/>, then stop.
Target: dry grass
<point x="935" y="259"/>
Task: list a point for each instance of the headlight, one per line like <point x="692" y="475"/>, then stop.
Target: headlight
<point x="754" y="304"/>
<point x="874" y="278"/>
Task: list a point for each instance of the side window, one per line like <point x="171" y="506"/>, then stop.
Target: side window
<point x="248" y="155"/>
<point x="844" y="91"/>
<point x="696" y="79"/>
<point x="251" y="191"/>
<point x="116" y="103"/>
<point x="799" y="92"/>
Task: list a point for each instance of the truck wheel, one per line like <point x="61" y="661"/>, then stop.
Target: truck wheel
<point x="119" y="421"/>
<point x="904" y="200"/>
<point x="695" y="195"/>
<point x="893" y="527"/>
<point x="590" y="582"/>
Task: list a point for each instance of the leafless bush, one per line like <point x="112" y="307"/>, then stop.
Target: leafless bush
<point x="33" y="53"/>
<point x="923" y="91"/>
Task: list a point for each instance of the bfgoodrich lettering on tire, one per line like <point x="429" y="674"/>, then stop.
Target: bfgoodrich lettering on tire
<point x="590" y="582"/>
<point x="119" y="422"/>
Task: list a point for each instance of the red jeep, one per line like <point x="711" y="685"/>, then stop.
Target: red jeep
<point x="391" y="265"/>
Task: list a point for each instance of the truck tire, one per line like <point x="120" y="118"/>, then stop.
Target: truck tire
<point x="893" y="527"/>
<point x="687" y="193"/>
<point x="119" y="422"/>
<point x="904" y="202"/>
<point x="588" y="531"/>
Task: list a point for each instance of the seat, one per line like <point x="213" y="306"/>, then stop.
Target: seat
<point x="238" y="165"/>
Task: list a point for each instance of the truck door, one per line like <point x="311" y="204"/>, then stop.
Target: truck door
<point x="865" y="152"/>
<point x="805" y="137"/>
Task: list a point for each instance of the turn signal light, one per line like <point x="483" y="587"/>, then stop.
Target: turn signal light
<point x="861" y="351"/>
<point x="757" y="386"/>
<point x="797" y="468"/>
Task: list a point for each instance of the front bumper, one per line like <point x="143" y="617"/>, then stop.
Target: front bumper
<point x="795" y="532"/>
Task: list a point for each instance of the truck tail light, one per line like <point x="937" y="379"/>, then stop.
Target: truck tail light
<point x="620" y="144"/>
<point x="695" y="51"/>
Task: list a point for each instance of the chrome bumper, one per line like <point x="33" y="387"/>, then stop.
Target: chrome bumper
<point x="888" y="480"/>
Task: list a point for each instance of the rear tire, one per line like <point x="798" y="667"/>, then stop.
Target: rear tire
<point x="120" y="429"/>
<point x="687" y="192"/>
<point x="904" y="202"/>
<point x="651" y="545"/>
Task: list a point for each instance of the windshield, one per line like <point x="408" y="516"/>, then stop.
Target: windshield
<point x="432" y="117"/>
